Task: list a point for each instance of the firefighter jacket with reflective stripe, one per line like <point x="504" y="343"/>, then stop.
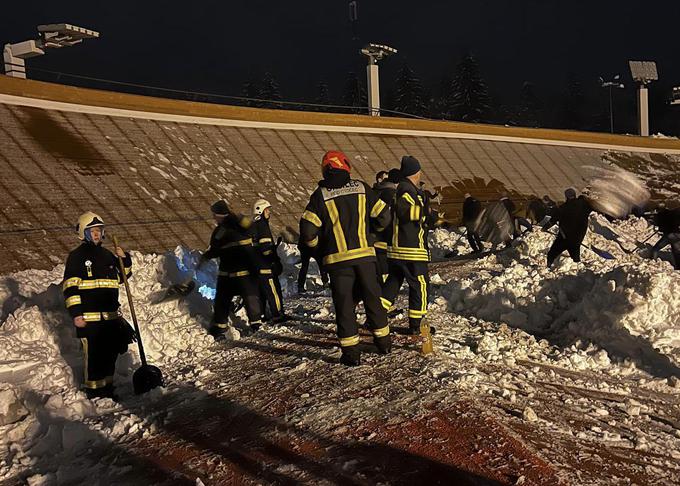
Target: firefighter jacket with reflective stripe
<point x="386" y="192"/>
<point x="263" y="241"/>
<point x="91" y="280"/>
<point x="411" y="218"/>
<point x="232" y="243"/>
<point x="337" y="222"/>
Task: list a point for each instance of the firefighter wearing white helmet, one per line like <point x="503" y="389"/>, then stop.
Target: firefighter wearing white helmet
<point x="270" y="287"/>
<point x="91" y="280"/>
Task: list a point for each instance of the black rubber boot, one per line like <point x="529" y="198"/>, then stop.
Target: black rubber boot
<point x="384" y="344"/>
<point x="351" y="356"/>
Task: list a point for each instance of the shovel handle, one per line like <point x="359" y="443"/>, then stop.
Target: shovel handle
<point x="132" y="307"/>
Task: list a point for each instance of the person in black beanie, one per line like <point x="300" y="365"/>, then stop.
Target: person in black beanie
<point x="408" y="253"/>
<point x="239" y="268"/>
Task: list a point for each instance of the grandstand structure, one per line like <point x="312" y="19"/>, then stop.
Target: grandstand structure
<point x="151" y="167"/>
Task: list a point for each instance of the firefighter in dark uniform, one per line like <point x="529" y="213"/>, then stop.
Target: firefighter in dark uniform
<point x="91" y="280"/>
<point x="471" y="209"/>
<point x="263" y="241"/>
<point x="408" y="253"/>
<point x="572" y="217"/>
<point x="337" y="221"/>
<point x="239" y="268"/>
<point x="386" y="191"/>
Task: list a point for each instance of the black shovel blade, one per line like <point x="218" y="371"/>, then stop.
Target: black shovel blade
<point x="146" y="378"/>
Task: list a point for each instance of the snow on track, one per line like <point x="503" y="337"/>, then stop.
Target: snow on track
<point x="577" y="365"/>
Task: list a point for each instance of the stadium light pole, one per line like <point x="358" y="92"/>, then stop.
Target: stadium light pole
<point x="375" y="53"/>
<point x="50" y="36"/>
<point x="643" y="72"/>
<point x="614" y="83"/>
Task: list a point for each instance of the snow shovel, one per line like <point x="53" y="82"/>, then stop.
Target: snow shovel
<point x="599" y="252"/>
<point x="147" y="377"/>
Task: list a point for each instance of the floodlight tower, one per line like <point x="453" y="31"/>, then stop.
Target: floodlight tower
<point x="614" y="83"/>
<point x="675" y="100"/>
<point x="53" y="36"/>
<point x="375" y="53"/>
<point x="643" y="72"/>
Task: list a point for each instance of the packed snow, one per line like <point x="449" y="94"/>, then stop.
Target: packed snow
<point x="508" y="329"/>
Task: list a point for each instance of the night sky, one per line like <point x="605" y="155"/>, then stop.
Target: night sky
<point x="215" y="46"/>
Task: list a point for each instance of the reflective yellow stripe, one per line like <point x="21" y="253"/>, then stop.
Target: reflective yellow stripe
<point x="87" y="383"/>
<point x="381" y="244"/>
<point x="377" y="208"/>
<point x="416" y="314"/>
<point x="276" y="294"/>
<point x="264" y="240"/>
<point x="362" y="221"/>
<point x="415" y="213"/>
<point x="73" y="300"/>
<point x="100" y="316"/>
<point x="349" y="255"/>
<point x="421" y="239"/>
<point x="71" y="282"/>
<point x="384" y="277"/>
<point x="101" y="283"/>
<point x="268" y="252"/>
<point x="313" y="243"/>
<point x="411" y="254"/>
<point x="221" y="325"/>
<point x="340" y="241"/>
<point x="242" y="273"/>
<point x="408" y="198"/>
<point x="385" y="303"/>
<point x="83" y="341"/>
<point x="350" y="341"/>
<point x="265" y="271"/>
<point x="247" y="242"/>
<point x="312" y="218"/>
<point x="382" y="332"/>
<point x="423" y="294"/>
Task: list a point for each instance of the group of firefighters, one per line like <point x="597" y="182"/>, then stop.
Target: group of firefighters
<point x="367" y="241"/>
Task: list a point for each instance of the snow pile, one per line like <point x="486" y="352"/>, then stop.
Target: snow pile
<point x="43" y="415"/>
<point x="628" y="307"/>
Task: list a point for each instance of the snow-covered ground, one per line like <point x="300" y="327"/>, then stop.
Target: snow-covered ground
<point x="580" y="363"/>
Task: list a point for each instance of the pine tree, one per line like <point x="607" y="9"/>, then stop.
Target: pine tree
<point x="573" y="110"/>
<point x="322" y="96"/>
<point x="269" y="90"/>
<point x="468" y="96"/>
<point x="250" y="90"/>
<point x="409" y="94"/>
<point x="355" y="95"/>
<point x="530" y="112"/>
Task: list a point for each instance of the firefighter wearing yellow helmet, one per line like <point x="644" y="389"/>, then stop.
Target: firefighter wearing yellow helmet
<point x="91" y="280"/>
<point x="263" y="241"/>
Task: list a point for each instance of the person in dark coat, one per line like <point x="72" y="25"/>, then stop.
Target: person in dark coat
<point x="668" y="222"/>
<point x="386" y="191"/>
<point x="91" y="279"/>
<point x="517" y="221"/>
<point x="471" y="209"/>
<point x="572" y="217"/>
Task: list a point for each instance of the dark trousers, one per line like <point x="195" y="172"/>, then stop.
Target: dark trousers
<point x="350" y="285"/>
<point x="382" y="267"/>
<point x="473" y="238"/>
<point x="101" y="345"/>
<point x="415" y="274"/>
<point x="270" y="295"/>
<point x="229" y="287"/>
<point x="305" y="255"/>
<point x="560" y="245"/>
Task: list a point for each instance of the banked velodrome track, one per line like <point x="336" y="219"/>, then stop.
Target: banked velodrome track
<point x="151" y="167"/>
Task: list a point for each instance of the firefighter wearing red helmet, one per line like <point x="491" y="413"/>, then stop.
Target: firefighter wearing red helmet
<point x="337" y="220"/>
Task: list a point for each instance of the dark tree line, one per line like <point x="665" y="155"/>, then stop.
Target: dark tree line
<point x="463" y="95"/>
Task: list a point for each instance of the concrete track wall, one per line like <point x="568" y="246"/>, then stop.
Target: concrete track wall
<point x="152" y="167"/>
